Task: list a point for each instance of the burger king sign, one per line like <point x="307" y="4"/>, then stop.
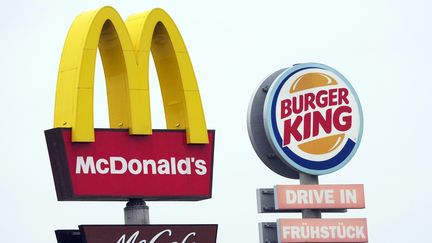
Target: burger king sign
<point x="312" y="118"/>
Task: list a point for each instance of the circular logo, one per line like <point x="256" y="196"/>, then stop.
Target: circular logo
<point x="313" y="118"/>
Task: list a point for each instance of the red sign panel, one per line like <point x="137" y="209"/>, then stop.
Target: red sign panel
<point x="319" y="196"/>
<point x="139" y="234"/>
<point x="322" y="230"/>
<point x="149" y="233"/>
<point x="118" y="166"/>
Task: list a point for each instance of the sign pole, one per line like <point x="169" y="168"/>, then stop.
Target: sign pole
<point x="136" y="212"/>
<point x="306" y="179"/>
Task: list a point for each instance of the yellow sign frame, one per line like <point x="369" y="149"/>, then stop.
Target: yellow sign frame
<point x="125" y="50"/>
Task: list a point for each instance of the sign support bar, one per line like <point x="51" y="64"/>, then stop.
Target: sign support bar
<point x="136" y="212"/>
<point x="306" y="179"/>
<point x="268" y="232"/>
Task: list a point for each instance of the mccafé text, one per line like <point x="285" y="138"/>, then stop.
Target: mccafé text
<point x="134" y="237"/>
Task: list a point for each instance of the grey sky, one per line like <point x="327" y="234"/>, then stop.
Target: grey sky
<point x="382" y="47"/>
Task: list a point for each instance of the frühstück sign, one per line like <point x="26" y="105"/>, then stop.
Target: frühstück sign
<point x="322" y="230"/>
<point x="319" y="196"/>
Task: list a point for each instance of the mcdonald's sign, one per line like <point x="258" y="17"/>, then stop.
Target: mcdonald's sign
<point x="128" y="160"/>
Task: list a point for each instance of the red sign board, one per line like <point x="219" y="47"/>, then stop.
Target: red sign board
<point x="322" y="230"/>
<point x="319" y="196"/>
<point x="139" y="234"/>
<point x="149" y="233"/>
<point x="119" y="166"/>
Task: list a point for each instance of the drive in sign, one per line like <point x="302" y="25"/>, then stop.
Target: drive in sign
<point x="319" y="196"/>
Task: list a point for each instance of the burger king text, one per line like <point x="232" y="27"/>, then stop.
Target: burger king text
<point x="326" y="109"/>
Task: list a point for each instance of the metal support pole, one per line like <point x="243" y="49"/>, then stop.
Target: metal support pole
<point x="136" y="212"/>
<point x="306" y="179"/>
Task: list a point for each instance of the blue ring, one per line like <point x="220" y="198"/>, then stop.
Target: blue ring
<point x="272" y="132"/>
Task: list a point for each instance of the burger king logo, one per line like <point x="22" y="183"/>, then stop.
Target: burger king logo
<point x="313" y="118"/>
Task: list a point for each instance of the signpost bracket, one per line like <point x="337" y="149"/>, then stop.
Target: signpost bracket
<point x="268" y="232"/>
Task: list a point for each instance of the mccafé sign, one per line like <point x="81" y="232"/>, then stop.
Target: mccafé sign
<point x="139" y="234"/>
<point x="130" y="159"/>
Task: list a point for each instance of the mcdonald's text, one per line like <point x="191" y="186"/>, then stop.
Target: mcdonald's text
<point x="117" y="166"/>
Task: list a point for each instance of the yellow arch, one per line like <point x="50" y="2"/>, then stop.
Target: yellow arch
<point x="125" y="51"/>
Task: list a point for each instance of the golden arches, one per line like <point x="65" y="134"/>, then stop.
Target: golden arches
<point x="125" y="51"/>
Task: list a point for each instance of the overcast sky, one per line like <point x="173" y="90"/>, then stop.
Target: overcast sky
<point x="382" y="47"/>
